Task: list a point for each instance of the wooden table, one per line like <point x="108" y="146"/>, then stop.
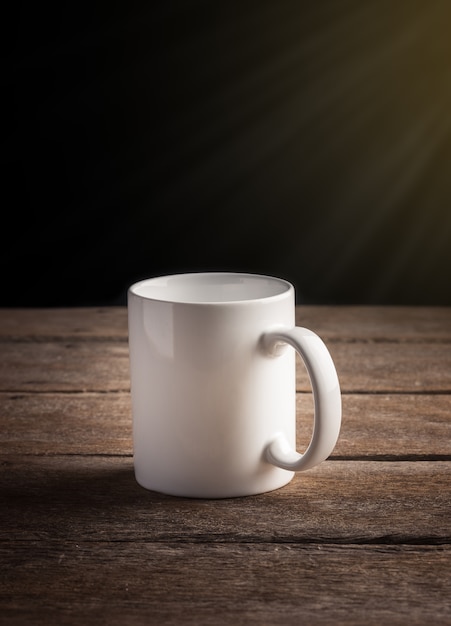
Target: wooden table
<point x="362" y="539"/>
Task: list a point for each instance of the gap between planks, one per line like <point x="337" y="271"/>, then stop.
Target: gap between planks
<point x="69" y="339"/>
<point x="385" y="458"/>
<point x="104" y="392"/>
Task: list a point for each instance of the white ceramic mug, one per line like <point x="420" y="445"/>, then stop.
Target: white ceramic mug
<point x="213" y="385"/>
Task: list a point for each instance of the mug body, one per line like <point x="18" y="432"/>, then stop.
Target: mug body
<point x="206" y="397"/>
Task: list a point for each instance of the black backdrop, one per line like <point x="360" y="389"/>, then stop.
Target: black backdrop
<point x="308" y="140"/>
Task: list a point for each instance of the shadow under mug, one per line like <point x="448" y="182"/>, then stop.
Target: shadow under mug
<point x="213" y="385"/>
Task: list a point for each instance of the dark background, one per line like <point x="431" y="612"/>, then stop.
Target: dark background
<point x="307" y="140"/>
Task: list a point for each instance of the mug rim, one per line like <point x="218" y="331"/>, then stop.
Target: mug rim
<point x="285" y="288"/>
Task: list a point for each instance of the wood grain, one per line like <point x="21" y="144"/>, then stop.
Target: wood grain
<point x="396" y="324"/>
<point x="337" y="323"/>
<point x="78" y="366"/>
<point x="74" y="581"/>
<point x="399" y="426"/>
<point x="62" y="423"/>
<point x="97" y="498"/>
<point x="389" y="367"/>
<point x="364" y="538"/>
<point x="104" y="366"/>
<point x="57" y="324"/>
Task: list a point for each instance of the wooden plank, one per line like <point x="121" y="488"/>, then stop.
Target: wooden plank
<point x="85" y="423"/>
<point x="104" y="366"/>
<point x="394" y="426"/>
<point x="385" y="367"/>
<point x="97" y="499"/>
<point x="69" y="324"/>
<point x="374" y="426"/>
<point x="377" y="323"/>
<point x="72" y="366"/>
<point x="76" y="581"/>
<point x="386" y="426"/>
<point x="333" y="323"/>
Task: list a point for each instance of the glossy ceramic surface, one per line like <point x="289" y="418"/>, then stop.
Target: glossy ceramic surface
<point x="213" y="385"/>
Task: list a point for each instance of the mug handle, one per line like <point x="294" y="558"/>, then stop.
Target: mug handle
<point x="326" y="395"/>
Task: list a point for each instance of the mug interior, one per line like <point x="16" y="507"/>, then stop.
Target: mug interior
<point x="211" y="287"/>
